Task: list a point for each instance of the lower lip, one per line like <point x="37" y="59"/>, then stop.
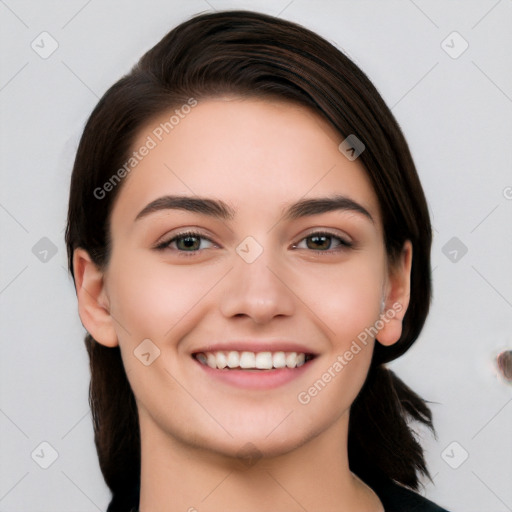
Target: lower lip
<point x="256" y="379"/>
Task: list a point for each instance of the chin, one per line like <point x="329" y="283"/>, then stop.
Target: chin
<point x="252" y="441"/>
<point x="247" y="450"/>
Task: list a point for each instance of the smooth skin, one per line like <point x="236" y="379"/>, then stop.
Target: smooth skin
<point x="258" y="157"/>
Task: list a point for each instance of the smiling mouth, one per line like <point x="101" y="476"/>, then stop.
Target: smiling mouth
<point x="234" y="360"/>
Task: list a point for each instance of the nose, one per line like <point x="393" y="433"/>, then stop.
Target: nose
<point x="259" y="290"/>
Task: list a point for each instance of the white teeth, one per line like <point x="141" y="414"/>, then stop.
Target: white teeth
<point x="220" y="360"/>
<point x="279" y="360"/>
<point x="264" y="360"/>
<point x="251" y="360"/>
<point x="247" y="360"/>
<point x="211" y="360"/>
<point x="233" y="359"/>
<point x="291" y="359"/>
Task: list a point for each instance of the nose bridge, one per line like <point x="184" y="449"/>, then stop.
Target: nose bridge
<point x="255" y="287"/>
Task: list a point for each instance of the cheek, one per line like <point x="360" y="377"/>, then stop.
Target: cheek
<point x="148" y="298"/>
<point x="345" y="297"/>
<point x="347" y="304"/>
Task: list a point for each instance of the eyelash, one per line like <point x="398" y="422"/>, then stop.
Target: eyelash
<point x="343" y="244"/>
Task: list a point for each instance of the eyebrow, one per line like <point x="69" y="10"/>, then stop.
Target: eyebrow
<point x="220" y="210"/>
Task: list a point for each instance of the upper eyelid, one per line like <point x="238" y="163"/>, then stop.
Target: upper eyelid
<point x="167" y="240"/>
<point x="328" y="231"/>
<point x="347" y="243"/>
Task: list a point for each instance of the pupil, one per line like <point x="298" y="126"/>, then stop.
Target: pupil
<point x="318" y="240"/>
<point x="189" y="241"/>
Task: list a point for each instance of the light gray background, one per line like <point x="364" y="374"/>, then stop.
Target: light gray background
<point x="456" y="114"/>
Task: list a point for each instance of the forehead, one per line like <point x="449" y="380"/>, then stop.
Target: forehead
<point x="254" y="154"/>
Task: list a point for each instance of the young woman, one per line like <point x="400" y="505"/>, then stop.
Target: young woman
<point x="250" y="245"/>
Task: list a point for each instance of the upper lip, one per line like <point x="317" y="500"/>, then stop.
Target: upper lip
<point x="256" y="346"/>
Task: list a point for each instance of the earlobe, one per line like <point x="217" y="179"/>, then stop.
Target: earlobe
<point x="396" y="298"/>
<point x="93" y="304"/>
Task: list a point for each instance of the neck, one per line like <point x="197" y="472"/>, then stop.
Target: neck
<point x="315" y="476"/>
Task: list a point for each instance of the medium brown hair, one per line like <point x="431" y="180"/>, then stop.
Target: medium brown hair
<point x="256" y="55"/>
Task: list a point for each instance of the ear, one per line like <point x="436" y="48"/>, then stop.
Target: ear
<point x="93" y="304"/>
<point x="396" y="298"/>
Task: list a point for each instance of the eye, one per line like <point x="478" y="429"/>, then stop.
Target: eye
<point x="188" y="242"/>
<point x="323" y="241"/>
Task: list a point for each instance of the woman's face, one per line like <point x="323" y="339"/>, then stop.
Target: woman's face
<point x="275" y="266"/>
